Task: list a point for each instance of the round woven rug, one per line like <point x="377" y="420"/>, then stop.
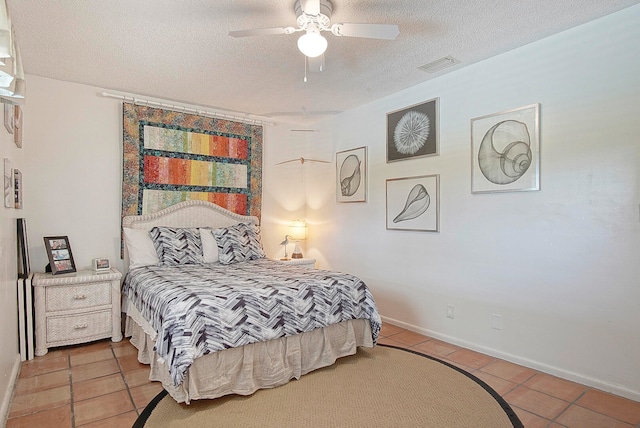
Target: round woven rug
<point x="380" y="387"/>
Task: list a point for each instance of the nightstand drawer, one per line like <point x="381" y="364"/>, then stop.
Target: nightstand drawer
<point x="77" y="297"/>
<point x="70" y="327"/>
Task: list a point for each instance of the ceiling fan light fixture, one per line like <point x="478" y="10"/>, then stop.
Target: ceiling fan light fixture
<point x="312" y="44"/>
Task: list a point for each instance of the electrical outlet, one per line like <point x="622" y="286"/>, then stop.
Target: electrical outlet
<point x="496" y="322"/>
<point x="450" y="312"/>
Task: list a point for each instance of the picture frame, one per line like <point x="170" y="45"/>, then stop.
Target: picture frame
<point x="9" y="185"/>
<point x="60" y="255"/>
<point x="9" y="117"/>
<point x="17" y="126"/>
<point x="413" y="132"/>
<point x="17" y="186"/>
<point x="101" y="265"/>
<point x="505" y="151"/>
<point x="24" y="268"/>
<point x="351" y="175"/>
<point x="413" y="203"/>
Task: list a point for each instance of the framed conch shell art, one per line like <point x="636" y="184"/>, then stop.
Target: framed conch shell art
<point x="351" y="175"/>
<point x="505" y="151"/>
<point x="413" y="203"/>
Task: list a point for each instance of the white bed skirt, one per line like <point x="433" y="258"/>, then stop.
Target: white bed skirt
<point x="255" y="366"/>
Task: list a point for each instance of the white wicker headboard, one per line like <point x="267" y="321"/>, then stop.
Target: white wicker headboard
<point x="186" y="214"/>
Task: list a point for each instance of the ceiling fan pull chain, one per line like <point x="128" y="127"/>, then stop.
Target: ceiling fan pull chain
<point x="306" y="66"/>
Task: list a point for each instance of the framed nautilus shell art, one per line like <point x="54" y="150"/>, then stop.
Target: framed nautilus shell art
<point x="351" y="175"/>
<point x="413" y="131"/>
<point x="505" y="151"/>
<point x="413" y="203"/>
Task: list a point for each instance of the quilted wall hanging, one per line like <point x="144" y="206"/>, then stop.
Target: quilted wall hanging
<point x="170" y="157"/>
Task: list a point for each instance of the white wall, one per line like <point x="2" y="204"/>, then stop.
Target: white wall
<point x="9" y="358"/>
<point x="561" y="266"/>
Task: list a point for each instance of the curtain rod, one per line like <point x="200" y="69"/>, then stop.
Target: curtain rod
<point x="185" y="109"/>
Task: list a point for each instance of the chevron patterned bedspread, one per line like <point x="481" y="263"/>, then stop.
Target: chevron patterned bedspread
<point x="199" y="309"/>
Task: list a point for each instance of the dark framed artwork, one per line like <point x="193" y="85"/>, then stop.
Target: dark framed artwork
<point x="413" y="203"/>
<point x="505" y="151"/>
<point x="24" y="267"/>
<point x="412" y="132"/>
<point x="17" y="184"/>
<point x="351" y="175"/>
<point x="59" y="253"/>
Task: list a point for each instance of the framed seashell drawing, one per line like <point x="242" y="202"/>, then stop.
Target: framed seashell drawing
<point x="351" y="175"/>
<point x="413" y="131"/>
<point x="505" y="151"/>
<point x="413" y="203"/>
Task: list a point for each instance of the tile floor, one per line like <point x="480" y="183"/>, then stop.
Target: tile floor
<point x="103" y="385"/>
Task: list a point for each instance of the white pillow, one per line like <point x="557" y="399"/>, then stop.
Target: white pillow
<point x="140" y="248"/>
<point x="209" y="246"/>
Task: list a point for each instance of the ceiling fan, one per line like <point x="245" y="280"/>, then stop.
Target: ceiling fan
<point x="303" y="160"/>
<point x="314" y="16"/>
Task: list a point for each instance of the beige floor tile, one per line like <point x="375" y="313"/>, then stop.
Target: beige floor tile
<point x="436" y="348"/>
<point x="410" y="338"/>
<point x="78" y="359"/>
<point x="40" y="400"/>
<point x="94" y="370"/>
<point x="130" y="362"/>
<point x="579" y="417"/>
<point x="59" y="417"/>
<point x="509" y="371"/>
<point x="529" y="420"/>
<point x="468" y="358"/>
<point x="96" y="387"/>
<point x="536" y="402"/>
<point x="143" y="394"/>
<point x="499" y="385"/>
<point x="87" y="348"/>
<point x="51" y="362"/>
<point x="390" y="341"/>
<point x="42" y="381"/>
<point x="105" y="406"/>
<point x="390" y="329"/>
<point x="123" y="420"/>
<point x="611" y="405"/>
<point x="127" y="349"/>
<point x="560" y="388"/>
<point x="137" y="377"/>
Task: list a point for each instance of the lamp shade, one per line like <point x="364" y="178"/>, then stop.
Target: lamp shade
<point x="312" y="44"/>
<point x="298" y="230"/>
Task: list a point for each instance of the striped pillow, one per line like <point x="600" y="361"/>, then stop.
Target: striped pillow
<point x="239" y="243"/>
<point x="177" y="246"/>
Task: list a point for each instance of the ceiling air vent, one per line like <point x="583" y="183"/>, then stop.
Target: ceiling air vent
<point x="439" y="64"/>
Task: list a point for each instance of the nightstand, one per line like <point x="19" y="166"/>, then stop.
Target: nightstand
<point x="76" y="308"/>
<point x="308" y="263"/>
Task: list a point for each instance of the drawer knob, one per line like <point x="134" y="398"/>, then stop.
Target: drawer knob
<point x="80" y="326"/>
<point x="79" y="297"/>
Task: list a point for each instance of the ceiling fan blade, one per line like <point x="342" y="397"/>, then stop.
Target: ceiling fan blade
<point x="262" y="31"/>
<point x="371" y="31"/>
<point x="310" y="7"/>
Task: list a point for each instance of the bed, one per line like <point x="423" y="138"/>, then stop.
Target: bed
<point x="213" y="316"/>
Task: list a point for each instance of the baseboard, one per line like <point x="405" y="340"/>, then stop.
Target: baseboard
<point x="619" y="390"/>
<point x="8" y="394"/>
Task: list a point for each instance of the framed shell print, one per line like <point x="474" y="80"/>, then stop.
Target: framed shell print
<point x="505" y="151"/>
<point x="351" y="175"/>
<point x="413" y="203"/>
<point x="412" y="132"/>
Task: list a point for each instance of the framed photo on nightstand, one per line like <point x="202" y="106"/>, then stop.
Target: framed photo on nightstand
<point x="59" y="253"/>
<point x="101" y="265"/>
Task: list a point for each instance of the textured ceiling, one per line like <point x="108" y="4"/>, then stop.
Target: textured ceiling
<point x="180" y="50"/>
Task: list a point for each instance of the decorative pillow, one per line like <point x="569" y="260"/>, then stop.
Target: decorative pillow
<point x="238" y="243"/>
<point x="140" y="248"/>
<point x="209" y="246"/>
<point x="177" y="246"/>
